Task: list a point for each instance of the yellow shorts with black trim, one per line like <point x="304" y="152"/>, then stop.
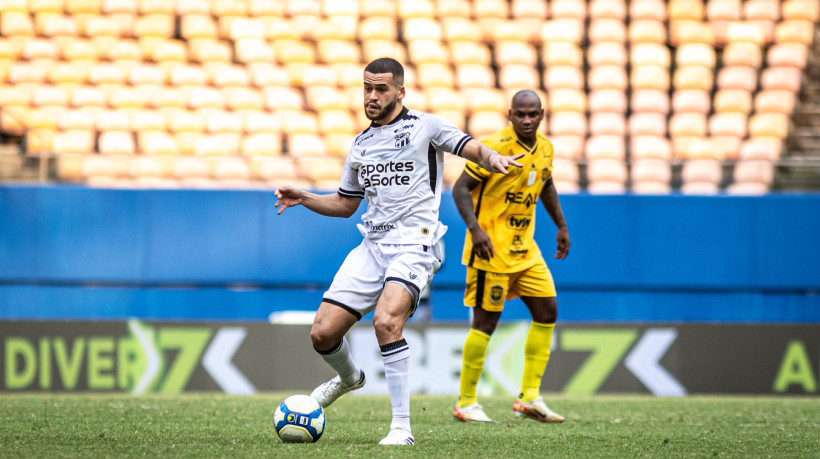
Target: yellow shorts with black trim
<point x="490" y="290"/>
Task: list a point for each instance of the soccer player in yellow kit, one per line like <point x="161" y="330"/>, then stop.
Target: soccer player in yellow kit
<point x="503" y="261"/>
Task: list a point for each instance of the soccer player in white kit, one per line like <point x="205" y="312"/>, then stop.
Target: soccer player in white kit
<point x="396" y="166"/>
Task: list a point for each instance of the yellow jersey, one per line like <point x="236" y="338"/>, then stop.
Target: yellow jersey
<point x="505" y="204"/>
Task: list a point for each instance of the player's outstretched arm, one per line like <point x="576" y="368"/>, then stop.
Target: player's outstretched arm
<point x="549" y="198"/>
<point x="490" y="160"/>
<point x="482" y="245"/>
<point x="331" y="205"/>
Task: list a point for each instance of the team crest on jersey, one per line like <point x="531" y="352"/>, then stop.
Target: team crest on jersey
<point x="425" y="231"/>
<point x="545" y="174"/>
<point x="402" y="139"/>
<point x="496" y="292"/>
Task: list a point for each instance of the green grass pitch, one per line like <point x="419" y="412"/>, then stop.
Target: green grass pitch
<point x="202" y="425"/>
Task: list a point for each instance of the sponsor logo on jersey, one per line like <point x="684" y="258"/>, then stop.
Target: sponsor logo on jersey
<point x="518" y="221"/>
<point x="496" y="293"/>
<point x="403" y="128"/>
<point x="380" y="229"/>
<point x="518" y="253"/>
<point x="390" y="173"/>
<point x="413" y="275"/>
<point x="402" y="139"/>
<point x="359" y="142"/>
<point x="520" y="197"/>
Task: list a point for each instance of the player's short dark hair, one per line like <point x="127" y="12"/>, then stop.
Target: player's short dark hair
<point x="525" y="93"/>
<point x="387" y="65"/>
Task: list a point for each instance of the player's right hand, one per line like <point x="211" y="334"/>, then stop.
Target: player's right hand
<point x="482" y="245"/>
<point x="287" y="196"/>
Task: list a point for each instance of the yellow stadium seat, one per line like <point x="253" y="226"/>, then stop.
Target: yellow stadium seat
<point x="649" y="77"/>
<point x="649" y="100"/>
<point x="442" y="99"/>
<point x="570" y="30"/>
<point x="769" y="125"/>
<point x="794" y="31"/>
<point x="453" y="168"/>
<point x="186" y="121"/>
<point x="187" y="75"/>
<point x="612" y="9"/>
<point x="567" y="100"/>
<point x="262" y="144"/>
<point x="761" y="149"/>
<point x="647" y="123"/>
<point x="701" y="176"/>
<point x="565" y="175"/>
<point x="687" y="31"/>
<point x="687" y="124"/>
<point x="76" y="119"/>
<point x="320" y="168"/>
<point x="153" y="173"/>
<point x="733" y="100"/>
<point x="113" y="120"/>
<point x="647" y="172"/>
<point x="650" y="147"/>
<point x="524" y="9"/>
<point x="73" y="141"/>
<point x="16" y="23"/>
<point x="484" y="123"/>
<point x="474" y="76"/>
<point x="374" y="49"/>
<point x="435" y="75"/>
<point x="737" y="77"/>
<point x="645" y="54"/>
<point x="723" y="10"/>
<point x="242" y="98"/>
<point x="377" y="28"/>
<point x="336" y="122"/>
<point x="607" y="30"/>
<point x="606" y="176"/>
<point x="691" y="100"/>
<point x="775" y="100"/>
<point x="569" y="9"/>
<point x="261" y="122"/>
<point x="233" y="76"/>
<point x="221" y="121"/>
<point x="647" y="10"/>
<point x="116" y="143"/>
<point x="699" y="54"/>
<point x="801" y="9"/>
<point x="299" y="123"/>
<point x="728" y="124"/>
<point x="149" y="120"/>
<point x="277" y="170"/>
<point x="338" y="51"/>
<point x="301" y="145"/>
<point x="567" y="146"/>
<point x="461" y="29"/>
<point x="248" y="50"/>
<point x="606" y="53"/>
<point x="422" y="29"/>
<point x="647" y="31"/>
<point x="518" y="77"/>
<point x="481" y="99"/>
<point x="208" y="50"/>
<point x="193" y="172"/>
<point x="562" y="53"/>
<point x="693" y="77"/>
<point x="45" y="117"/>
<point x="457" y="117"/>
<point x="742" y="54"/>
<point x="467" y="52"/>
<point x="526" y="30"/>
<point x="568" y="123"/>
<point x="338" y="144"/>
<point x="169" y="97"/>
<point x="761" y="10"/>
<point x="428" y="51"/>
<point x="745" y="32"/>
<point x="608" y="77"/>
<point x="787" y="55"/>
<point x="197" y="26"/>
<point x="515" y="53"/>
<point x="125" y="98"/>
<point x="605" y="146"/>
<point x="562" y="77"/>
<point x="685" y="9"/>
<point x="607" y="124"/>
<point x="37" y="49"/>
<point x="785" y="78"/>
<point x="154" y="25"/>
<point x="607" y="100"/>
<point x="219" y="144"/>
<point x="291" y="51"/>
<point x="205" y="97"/>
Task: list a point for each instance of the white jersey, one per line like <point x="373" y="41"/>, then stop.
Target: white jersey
<point x="397" y="168"/>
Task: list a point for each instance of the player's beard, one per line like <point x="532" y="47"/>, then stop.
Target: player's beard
<point x="383" y="112"/>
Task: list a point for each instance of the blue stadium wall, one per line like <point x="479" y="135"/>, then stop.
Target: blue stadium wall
<point x="82" y="253"/>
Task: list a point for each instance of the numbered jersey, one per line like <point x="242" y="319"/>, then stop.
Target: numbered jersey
<point x="505" y="204"/>
<point x="397" y="168"/>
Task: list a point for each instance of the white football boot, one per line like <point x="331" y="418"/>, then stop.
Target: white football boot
<point x="471" y="413"/>
<point x="398" y="436"/>
<point x="536" y="410"/>
<point x="328" y="392"/>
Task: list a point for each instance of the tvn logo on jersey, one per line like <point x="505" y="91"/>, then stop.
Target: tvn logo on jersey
<point x="518" y="221"/>
<point x="390" y="173"/>
<point x="402" y="139"/>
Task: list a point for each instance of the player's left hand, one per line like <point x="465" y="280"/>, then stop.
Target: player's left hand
<point x="563" y="243"/>
<point x="499" y="162"/>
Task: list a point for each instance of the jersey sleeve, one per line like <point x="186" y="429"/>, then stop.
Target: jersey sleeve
<point x="350" y="186"/>
<point x="445" y="135"/>
<point x="474" y="170"/>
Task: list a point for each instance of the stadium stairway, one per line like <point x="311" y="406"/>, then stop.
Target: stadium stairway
<point x="800" y="168"/>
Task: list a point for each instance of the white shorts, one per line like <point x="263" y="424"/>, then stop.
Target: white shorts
<point x="360" y="280"/>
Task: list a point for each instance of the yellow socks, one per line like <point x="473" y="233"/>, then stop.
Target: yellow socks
<point x="472" y="364"/>
<point x="536" y="356"/>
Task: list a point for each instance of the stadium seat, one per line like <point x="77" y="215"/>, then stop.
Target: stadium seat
<point x="338" y="144"/>
<point x="745" y="32"/>
<point x="518" y="77"/>
<point x="569" y="30"/>
<point x="607" y="30"/>
<point x="647" y="31"/>
<point x="514" y="53"/>
<point x="193" y="172"/>
<point x="693" y="77"/>
<point x="484" y="123"/>
<point x="701" y="176"/>
<point x="651" y="176"/>
<point x="490" y="99"/>
<point x="435" y="75"/>
<point x="647" y="10"/>
<point x="219" y="144"/>
<point x="320" y="168"/>
<point x="557" y="77"/>
<point x="650" y="147"/>
<point x="460" y="29"/>
<point x="606" y="176"/>
<point x="787" y="55"/>
<point x="687" y="124"/>
<point x="649" y="100"/>
<point x="734" y="77"/>
<point x="760" y="149"/>
<point x="647" y="123"/>
<point x="769" y="125"/>
<point x="116" y="142"/>
<point x="605" y="146"/>
<point x="606" y="53"/>
<point x="794" y="31"/>
<point x="153" y="172"/>
<point x="73" y="141"/>
<point x="568" y="9"/>
<point x="565" y="175"/>
<point x="568" y="123"/>
<point x="474" y="76"/>
<point x="232" y="172"/>
<point x="607" y="100"/>
<point x="752" y="177"/>
<point x="785" y="78"/>
<point x="691" y="100"/>
<point x="649" y="77"/>
<point x="742" y="54"/>
<point x="607" y="124"/>
<point x="728" y="124"/>
<point x="608" y="77"/>
<point x="453" y="167"/>
<point x="562" y="53"/>
<point x="567" y="146"/>
<point x="781" y="101"/>
<point x="156" y="143"/>
<point x="113" y="120"/>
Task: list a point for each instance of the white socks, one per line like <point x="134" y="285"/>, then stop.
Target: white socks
<point x="396" y="357"/>
<point x="340" y="359"/>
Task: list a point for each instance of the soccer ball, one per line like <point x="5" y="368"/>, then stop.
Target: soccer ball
<point x="299" y="419"/>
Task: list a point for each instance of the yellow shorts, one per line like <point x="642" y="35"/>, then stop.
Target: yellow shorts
<point x="491" y="289"/>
